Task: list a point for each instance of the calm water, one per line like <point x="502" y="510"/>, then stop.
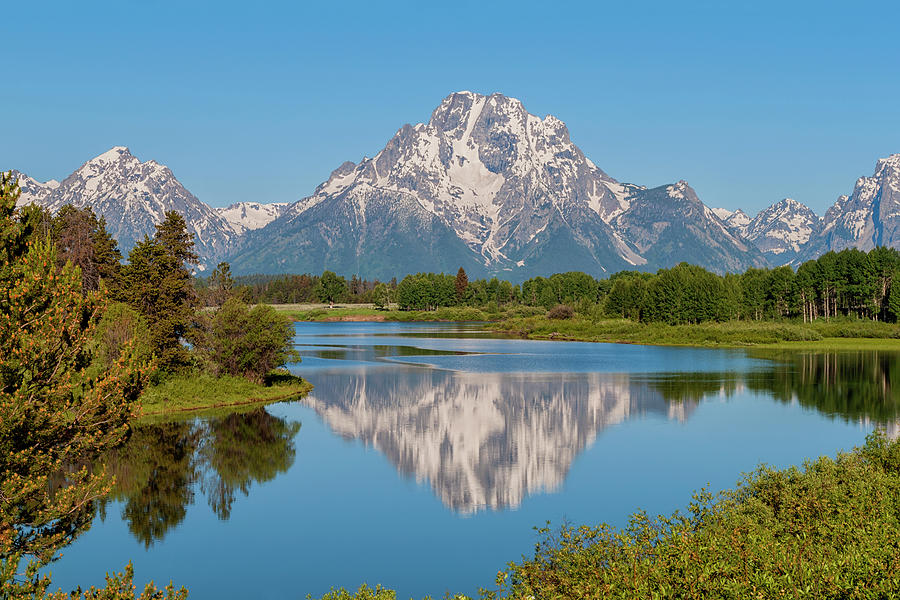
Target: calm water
<point x="428" y="452"/>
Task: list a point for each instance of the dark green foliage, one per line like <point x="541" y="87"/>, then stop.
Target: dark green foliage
<point x="248" y="342"/>
<point x="219" y="286"/>
<point x="79" y="237"/>
<point x="849" y="283"/>
<point x="331" y="287"/>
<point x="381" y="295"/>
<point x="119" y="327"/>
<point x="157" y="283"/>
<point x="684" y="294"/>
<point x="54" y="414"/>
<point x="462" y="284"/>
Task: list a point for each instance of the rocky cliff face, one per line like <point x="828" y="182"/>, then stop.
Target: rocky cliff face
<point x="483" y="185"/>
<point x="869" y="217"/>
<point x="783" y="230"/>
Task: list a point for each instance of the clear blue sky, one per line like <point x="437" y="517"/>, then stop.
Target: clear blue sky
<point x="750" y="102"/>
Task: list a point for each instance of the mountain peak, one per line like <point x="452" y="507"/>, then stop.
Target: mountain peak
<point x="889" y="164"/>
<point x="114" y="154"/>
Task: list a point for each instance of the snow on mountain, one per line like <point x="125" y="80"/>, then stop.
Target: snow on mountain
<point x="484" y="184"/>
<point x="735" y="220"/>
<point x="783" y="230"/>
<point x="248" y="216"/>
<point x="32" y="191"/>
<point x="133" y="197"/>
<point x="869" y="217"/>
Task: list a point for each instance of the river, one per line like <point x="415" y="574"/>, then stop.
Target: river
<point x="428" y="452"/>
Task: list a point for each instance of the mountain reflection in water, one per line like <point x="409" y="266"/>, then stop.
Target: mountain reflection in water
<point x="488" y="440"/>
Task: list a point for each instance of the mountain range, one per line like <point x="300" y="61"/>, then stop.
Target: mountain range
<point x="484" y="185"/>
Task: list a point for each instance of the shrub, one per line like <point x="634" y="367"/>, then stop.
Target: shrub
<point x="120" y="326"/>
<point x="561" y="311"/>
<point x="246" y="342"/>
<point x="828" y="530"/>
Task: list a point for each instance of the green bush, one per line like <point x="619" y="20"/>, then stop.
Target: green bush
<point x="246" y="342"/>
<point x="121" y="325"/>
<point x="828" y="530"/>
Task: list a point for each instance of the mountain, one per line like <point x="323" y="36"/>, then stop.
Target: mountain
<point x="735" y="220"/>
<point x="247" y="216"/>
<point x="487" y="186"/>
<point x="869" y="217"/>
<point x="669" y="224"/>
<point x="33" y="191"/>
<point x="783" y="230"/>
<point x="133" y="197"/>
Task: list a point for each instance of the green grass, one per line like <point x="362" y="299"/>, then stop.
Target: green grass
<point x="368" y="313"/>
<point x="842" y="334"/>
<point x="201" y="391"/>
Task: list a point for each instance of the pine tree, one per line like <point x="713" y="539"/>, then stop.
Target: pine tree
<point x="52" y="415"/>
<point x="462" y="283"/>
<point x="157" y="282"/>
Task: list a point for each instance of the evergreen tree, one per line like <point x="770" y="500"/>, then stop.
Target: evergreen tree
<point x="157" y="283"/>
<point x="52" y="415"/>
<point x="462" y="283"/>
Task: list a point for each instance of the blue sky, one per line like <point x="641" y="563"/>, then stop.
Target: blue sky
<point x="748" y="101"/>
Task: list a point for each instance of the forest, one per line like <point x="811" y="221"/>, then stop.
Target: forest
<point x="850" y="283"/>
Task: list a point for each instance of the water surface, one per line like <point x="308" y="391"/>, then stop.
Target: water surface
<point x="428" y="452"/>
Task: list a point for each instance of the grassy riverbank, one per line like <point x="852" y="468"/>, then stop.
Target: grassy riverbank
<point x="200" y="391"/>
<point x="532" y="323"/>
<point x="367" y="312"/>
<point x="835" y="334"/>
<point x="828" y="529"/>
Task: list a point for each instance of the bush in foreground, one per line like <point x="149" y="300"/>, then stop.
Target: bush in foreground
<point x="246" y="342"/>
<point x="828" y="530"/>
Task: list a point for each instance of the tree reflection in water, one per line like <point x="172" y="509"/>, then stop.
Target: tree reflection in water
<point x="156" y="471"/>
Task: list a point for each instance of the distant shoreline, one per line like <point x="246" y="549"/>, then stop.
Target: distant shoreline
<point x="834" y="335"/>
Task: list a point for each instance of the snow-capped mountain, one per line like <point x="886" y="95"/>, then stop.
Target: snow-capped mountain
<point x="487" y="186"/>
<point x="32" y="191"/>
<point x="735" y="220"/>
<point x="133" y="197"/>
<point x="869" y="217"/>
<point x="783" y="230"/>
<point x="247" y="216"/>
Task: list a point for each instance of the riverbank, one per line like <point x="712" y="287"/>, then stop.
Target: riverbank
<point x="368" y="313"/>
<point x="179" y="394"/>
<point x="532" y="323"/>
<point x="821" y="335"/>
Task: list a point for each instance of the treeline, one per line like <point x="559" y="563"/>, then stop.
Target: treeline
<point x="850" y="283"/>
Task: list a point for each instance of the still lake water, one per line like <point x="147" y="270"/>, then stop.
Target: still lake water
<point x="428" y="452"/>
